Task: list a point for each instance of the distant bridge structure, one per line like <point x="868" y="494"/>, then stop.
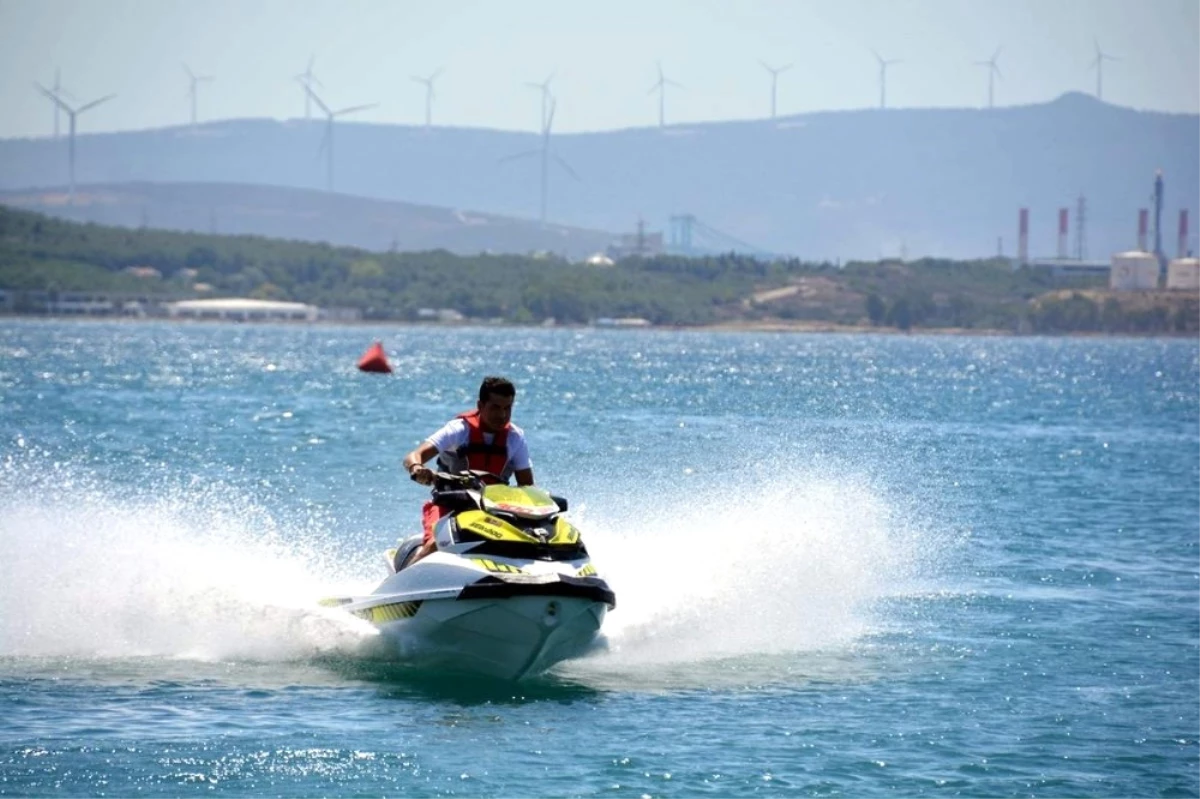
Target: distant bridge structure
<point x="688" y="235"/>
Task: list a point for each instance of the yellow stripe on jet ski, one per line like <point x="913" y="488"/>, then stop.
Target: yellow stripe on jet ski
<point x="493" y="566"/>
<point x="565" y="533"/>
<point x="393" y="612"/>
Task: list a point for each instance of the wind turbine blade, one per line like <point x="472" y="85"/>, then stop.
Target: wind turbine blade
<point x="656" y="87"/>
<point x="353" y="108"/>
<point x="996" y="69"/>
<point x="785" y="68"/>
<point x="312" y="59"/>
<point x="996" y="54"/>
<point x="422" y="81"/>
<point x="525" y="154"/>
<point x="94" y="103"/>
<point x="53" y="97"/>
<point x="188" y="70"/>
<point x="434" y="75"/>
<point x="316" y="99"/>
<point x="567" y="167"/>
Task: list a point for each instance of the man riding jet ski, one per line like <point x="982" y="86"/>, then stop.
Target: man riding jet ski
<point x="484" y="439"/>
<point x="499" y="582"/>
<point x="508" y="589"/>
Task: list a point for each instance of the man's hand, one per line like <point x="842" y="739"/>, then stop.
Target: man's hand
<point x="421" y="474"/>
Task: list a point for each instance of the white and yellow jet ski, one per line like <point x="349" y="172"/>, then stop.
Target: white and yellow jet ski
<point x="509" y="592"/>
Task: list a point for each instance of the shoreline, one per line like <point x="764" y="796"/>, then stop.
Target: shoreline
<point x="743" y="326"/>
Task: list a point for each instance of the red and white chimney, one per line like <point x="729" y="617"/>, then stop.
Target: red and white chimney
<point x="1062" y="233"/>
<point x="1023" y="237"/>
<point x="1183" y="233"/>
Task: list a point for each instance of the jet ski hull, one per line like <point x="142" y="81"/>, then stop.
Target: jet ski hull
<point x="508" y="639"/>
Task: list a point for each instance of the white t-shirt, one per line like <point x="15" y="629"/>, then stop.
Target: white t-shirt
<point x="455" y="434"/>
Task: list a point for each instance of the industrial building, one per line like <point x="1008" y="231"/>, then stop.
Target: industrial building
<point x="1134" y="271"/>
<point x="243" y="310"/>
<point x="1183" y="274"/>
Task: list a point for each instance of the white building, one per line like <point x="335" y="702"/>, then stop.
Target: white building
<point x="243" y="310"/>
<point x="1134" y="271"/>
<point x="1183" y="274"/>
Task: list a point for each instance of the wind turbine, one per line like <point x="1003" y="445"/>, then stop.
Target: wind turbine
<point x="428" y="95"/>
<point x="993" y="71"/>
<point x="546" y="155"/>
<point x="661" y="87"/>
<point x="774" y="79"/>
<point x="72" y="113"/>
<point x="1098" y="65"/>
<point x="193" y="81"/>
<point x="547" y="98"/>
<point x="327" y="138"/>
<point x="307" y="79"/>
<point x="59" y="91"/>
<point x="883" y="65"/>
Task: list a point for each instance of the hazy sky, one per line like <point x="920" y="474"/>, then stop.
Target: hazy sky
<point x="602" y="55"/>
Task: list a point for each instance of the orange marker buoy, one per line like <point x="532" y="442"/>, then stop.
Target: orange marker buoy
<point x="373" y="360"/>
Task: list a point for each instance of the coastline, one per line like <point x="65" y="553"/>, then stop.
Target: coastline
<point x="742" y="326"/>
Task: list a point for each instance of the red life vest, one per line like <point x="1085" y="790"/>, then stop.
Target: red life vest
<point x="479" y="455"/>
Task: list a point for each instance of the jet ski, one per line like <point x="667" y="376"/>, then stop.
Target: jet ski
<point x="509" y="592"/>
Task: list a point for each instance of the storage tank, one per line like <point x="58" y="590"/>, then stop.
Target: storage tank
<point x="1133" y="271"/>
<point x="1183" y="274"/>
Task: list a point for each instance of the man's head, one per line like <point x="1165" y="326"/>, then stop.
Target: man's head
<point x="496" y="395"/>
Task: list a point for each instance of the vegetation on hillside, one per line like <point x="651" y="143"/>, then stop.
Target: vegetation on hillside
<point x="41" y="254"/>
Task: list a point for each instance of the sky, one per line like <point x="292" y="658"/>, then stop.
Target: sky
<point x="601" y="58"/>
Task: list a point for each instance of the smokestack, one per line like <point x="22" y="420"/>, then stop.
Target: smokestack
<point x="1062" y="233"/>
<point x="1183" y="233"/>
<point x="1023" y="237"/>
<point x="1158" y="204"/>
<point x="1143" y="228"/>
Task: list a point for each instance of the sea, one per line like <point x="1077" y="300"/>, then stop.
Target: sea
<point x="845" y="565"/>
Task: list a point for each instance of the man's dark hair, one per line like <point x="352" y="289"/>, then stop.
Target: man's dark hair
<point x="496" y="385"/>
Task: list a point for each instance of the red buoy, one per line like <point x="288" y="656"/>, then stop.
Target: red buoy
<point x="373" y="360"/>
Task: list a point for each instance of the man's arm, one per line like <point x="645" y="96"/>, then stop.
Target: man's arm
<point x="524" y="476"/>
<point x="414" y="463"/>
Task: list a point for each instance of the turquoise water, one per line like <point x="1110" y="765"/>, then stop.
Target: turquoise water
<point x="845" y="565"/>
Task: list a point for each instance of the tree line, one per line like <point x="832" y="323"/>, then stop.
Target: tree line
<point x="41" y="254"/>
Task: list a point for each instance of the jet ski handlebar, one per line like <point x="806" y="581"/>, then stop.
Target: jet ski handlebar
<point x="474" y="479"/>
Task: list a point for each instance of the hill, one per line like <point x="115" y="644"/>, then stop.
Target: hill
<point x="42" y="259"/>
<point x="823" y="186"/>
<point x="307" y="215"/>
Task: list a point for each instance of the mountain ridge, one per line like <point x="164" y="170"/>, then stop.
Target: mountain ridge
<point x="857" y="183"/>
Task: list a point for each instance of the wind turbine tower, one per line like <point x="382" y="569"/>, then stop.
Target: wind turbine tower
<point x="194" y="80"/>
<point x="774" y="80"/>
<point x="307" y="80"/>
<point x="545" y="154"/>
<point x="428" y="83"/>
<point x="327" y="138"/>
<point x="883" y="65"/>
<point x="993" y="71"/>
<point x="547" y="98"/>
<point x="1098" y="65"/>
<point x="72" y="113"/>
<point x="661" y="87"/>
